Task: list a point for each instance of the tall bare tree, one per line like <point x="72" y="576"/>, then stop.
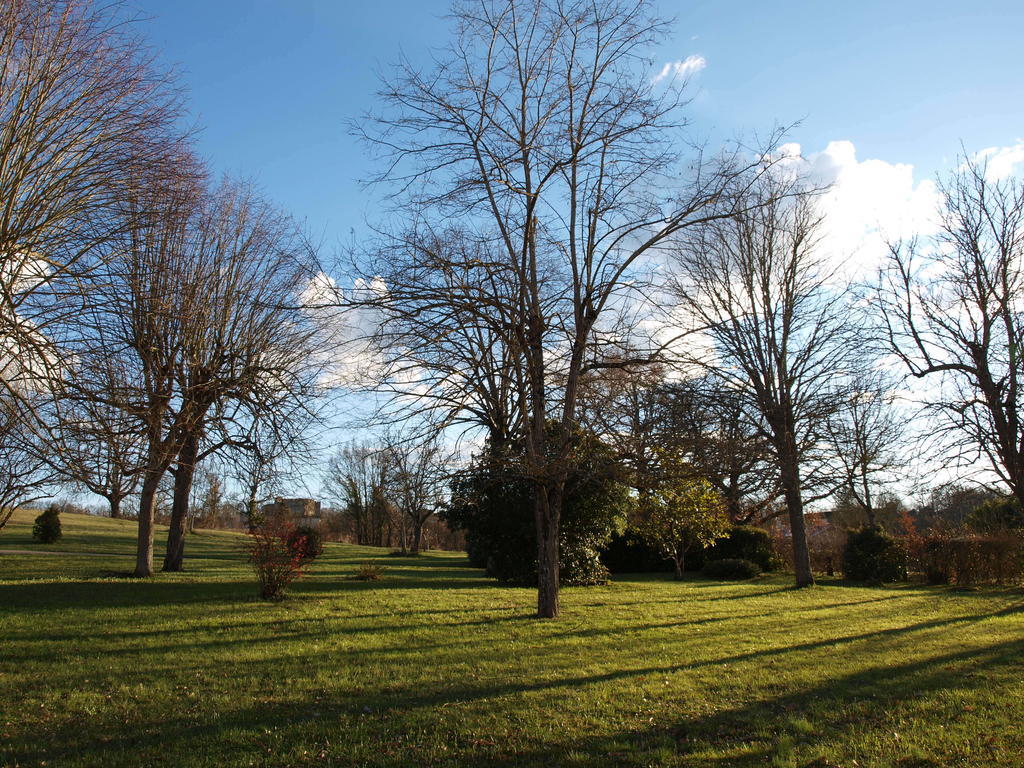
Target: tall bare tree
<point x="142" y="302"/>
<point x="540" y="131"/>
<point x="249" y="338"/>
<point x="867" y="436"/>
<point x="419" y="481"/>
<point x="80" y="106"/>
<point x="953" y="309"/>
<point x="758" y="289"/>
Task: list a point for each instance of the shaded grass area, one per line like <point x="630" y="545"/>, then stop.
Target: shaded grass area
<point x="437" y="665"/>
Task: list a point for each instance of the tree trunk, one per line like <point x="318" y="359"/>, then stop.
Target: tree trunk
<point x="175" y="556"/>
<point x="547" y="509"/>
<point x="144" y="553"/>
<point x="253" y="515"/>
<point x="680" y="561"/>
<point x="790" y="476"/>
<point x="115" y="507"/>
<point x="417" y="536"/>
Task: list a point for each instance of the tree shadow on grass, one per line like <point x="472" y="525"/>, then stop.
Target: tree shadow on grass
<point x="834" y="704"/>
<point x="837" y="710"/>
<point x="27" y="596"/>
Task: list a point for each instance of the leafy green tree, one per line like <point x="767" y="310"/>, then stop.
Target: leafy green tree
<point x="996" y="514"/>
<point x="682" y="513"/>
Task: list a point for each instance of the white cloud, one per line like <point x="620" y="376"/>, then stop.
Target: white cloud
<point x="681" y="70"/>
<point x="1001" y="162"/>
<point x="346" y="328"/>
<point x="868" y="203"/>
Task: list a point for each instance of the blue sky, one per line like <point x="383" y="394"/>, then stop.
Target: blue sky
<point x="273" y="82"/>
<point x="885" y="94"/>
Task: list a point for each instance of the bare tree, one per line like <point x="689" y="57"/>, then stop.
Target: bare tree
<point x="266" y="439"/>
<point x="90" y="440"/>
<point x="80" y="107"/>
<point x="419" y="479"/>
<point x="256" y="467"/>
<point x="953" y="310"/>
<point x="867" y="434"/>
<point x="209" y="488"/>
<point x="625" y="408"/>
<point x="249" y="338"/>
<point x="640" y="412"/>
<point x="756" y="287"/>
<point x="538" y="131"/>
<point x="723" y="442"/>
<point x="141" y="306"/>
<point x="469" y="374"/>
<point x="357" y="477"/>
<point x="24" y="475"/>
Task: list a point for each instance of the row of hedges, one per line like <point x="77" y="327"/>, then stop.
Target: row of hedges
<point x="971" y="559"/>
<point x="960" y="558"/>
<point x="629" y="553"/>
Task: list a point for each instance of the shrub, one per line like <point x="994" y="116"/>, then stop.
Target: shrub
<point x="274" y="553"/>
<point x="731" y="568"/>
<point x="46" y="529"/>
<point x="744" y="542"/>
<point x="873" y="556"/>
<point x="996" y="515"/>
<point x="306" y="542"/>
<point x="368" y="572"/>
<point x="493" y="503"/>
<point x="966" y="558"/>
<point x="628" y="552"/>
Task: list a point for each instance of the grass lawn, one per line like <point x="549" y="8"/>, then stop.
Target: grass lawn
<point x="437" y="665"/>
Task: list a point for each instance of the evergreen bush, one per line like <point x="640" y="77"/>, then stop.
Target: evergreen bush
<point x="744" y="542"/>
<point x="871" y="555"/>
<point x="493" y="503"/>
<point x="46" y="529"/>
<point x="731" y="568"/>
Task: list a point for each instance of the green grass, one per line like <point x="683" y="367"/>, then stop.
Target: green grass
<point x="437" y="665"/>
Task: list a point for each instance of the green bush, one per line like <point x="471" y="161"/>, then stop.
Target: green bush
<point x="47" y="526"/>
<point x="871" y="555"/>
<point x="731" y="568"/>
<point x="996" y="515"/>
<point x="744" y="542"/>
<point x="629" y="552"/>
<point x="306" y="542"/>
<point x="493" y="503"/>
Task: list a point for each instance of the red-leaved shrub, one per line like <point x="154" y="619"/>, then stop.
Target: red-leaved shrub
<point x="277" y="554"/>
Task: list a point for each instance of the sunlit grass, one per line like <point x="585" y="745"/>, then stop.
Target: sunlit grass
<point x="436" y="665"/>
